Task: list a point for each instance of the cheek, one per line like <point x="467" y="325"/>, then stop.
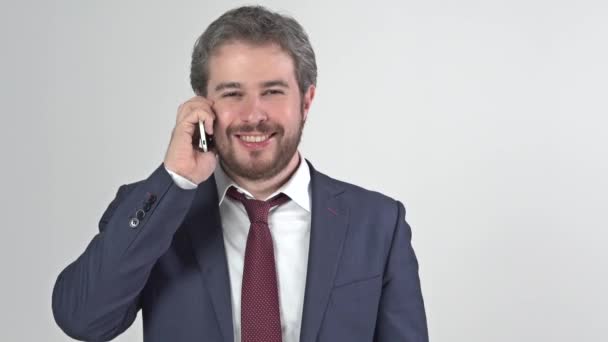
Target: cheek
<point x="225" y="111"/>
<point x="224" y="116"/>
<point x="280" y="109"/>
<point x="282" y="106"/>
<point x="280" y="103"/>
<point x="220" y="126"/>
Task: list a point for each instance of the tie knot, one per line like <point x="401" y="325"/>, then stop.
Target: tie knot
<point x="257" y="210"/>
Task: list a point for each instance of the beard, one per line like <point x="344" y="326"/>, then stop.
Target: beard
<point x="258" y="166"/>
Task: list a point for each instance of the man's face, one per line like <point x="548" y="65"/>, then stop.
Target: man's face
<point x="259" y="111"/>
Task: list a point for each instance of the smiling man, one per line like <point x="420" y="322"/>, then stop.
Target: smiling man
<point x="261" y="112"/>
<point x="248" y="241"/>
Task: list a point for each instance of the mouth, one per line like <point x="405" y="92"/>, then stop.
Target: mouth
<point x="255" y="141"/>
<point x="254" y="138"/>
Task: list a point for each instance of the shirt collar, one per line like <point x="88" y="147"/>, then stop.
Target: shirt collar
<point x="297" y="187"/>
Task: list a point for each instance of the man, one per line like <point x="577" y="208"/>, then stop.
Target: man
<point x="247" y="242"/>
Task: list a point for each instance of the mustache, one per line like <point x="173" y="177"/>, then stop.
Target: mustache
<point x="262" y="127"/>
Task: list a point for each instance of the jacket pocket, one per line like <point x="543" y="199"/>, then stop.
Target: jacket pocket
<point x="352" y="309"/>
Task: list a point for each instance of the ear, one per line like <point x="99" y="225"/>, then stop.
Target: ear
<point x="309" y="95"/>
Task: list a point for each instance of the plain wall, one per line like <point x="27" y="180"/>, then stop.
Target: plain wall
<point x="486" y="118"/>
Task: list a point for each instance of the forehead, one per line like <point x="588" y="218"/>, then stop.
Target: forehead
<point x="246" y="62"/>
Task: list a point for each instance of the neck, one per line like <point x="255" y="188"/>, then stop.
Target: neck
<point x="261" y="189"/>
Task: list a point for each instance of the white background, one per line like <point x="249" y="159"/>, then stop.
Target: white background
<point x="486" y="118"/>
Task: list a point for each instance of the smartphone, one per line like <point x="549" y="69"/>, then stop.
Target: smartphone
<point x="206" y="141"/>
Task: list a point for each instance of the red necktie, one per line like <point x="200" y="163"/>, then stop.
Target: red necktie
<point x="260" y="318"/>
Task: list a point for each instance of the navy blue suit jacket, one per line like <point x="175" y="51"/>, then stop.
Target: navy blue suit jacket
<point x="362" y="282"/>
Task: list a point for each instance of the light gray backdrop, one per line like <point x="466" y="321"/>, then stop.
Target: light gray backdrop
<point x="487" y="118"/>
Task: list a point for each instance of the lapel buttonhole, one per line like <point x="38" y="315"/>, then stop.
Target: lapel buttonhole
<point x="333" y="211"/>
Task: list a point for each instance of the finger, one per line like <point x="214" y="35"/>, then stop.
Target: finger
<point x="192" y="103"/>
<point x="188" y="108"/>
<point x="209" y="125"/>
<point x="178" y="116"/>
<point x="197" y="100"/>
<point x="192" y="119"/>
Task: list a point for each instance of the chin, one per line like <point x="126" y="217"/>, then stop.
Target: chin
<point x="253" y="168"/>
<point x="258" y="167"/>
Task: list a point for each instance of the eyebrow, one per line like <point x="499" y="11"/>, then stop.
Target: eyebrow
<point x="227" y="85"/>
<point x="275" y="83"/>
<point x="265" y="84"/>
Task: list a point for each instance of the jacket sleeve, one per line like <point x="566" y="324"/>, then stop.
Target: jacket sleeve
<point x="401" y="315"/>
<point x="96" y="297"/>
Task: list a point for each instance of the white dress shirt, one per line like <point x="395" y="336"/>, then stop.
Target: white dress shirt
<point x="289" y="226"/>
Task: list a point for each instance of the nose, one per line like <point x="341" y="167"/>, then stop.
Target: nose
<point x="252" y="111"/>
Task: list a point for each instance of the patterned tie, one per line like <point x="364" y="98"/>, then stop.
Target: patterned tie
<point x="260" y="318"/>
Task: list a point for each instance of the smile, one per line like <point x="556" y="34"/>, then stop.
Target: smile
<point x="255" y="142"/>
<point x="254" y="138"/>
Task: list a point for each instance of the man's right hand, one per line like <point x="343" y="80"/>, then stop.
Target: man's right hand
<point x="182" y="156"/>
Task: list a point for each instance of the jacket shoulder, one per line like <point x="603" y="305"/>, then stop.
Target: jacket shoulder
<point x="360" y="196"/>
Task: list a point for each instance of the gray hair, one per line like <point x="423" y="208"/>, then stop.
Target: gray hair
<point x="257" y="25"/>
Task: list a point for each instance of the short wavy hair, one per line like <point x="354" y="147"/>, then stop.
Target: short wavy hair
<point x="257" y="25"/>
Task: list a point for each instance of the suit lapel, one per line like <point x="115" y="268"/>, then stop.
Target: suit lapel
<point x="205" y="229"/>
<point x="329" y="223"/>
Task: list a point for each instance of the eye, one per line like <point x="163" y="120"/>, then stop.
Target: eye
<point x="232" y="94"/>
<point x="272" y="92"/>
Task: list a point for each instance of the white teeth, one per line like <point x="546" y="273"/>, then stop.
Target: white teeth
<point x="254" y="138"/>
